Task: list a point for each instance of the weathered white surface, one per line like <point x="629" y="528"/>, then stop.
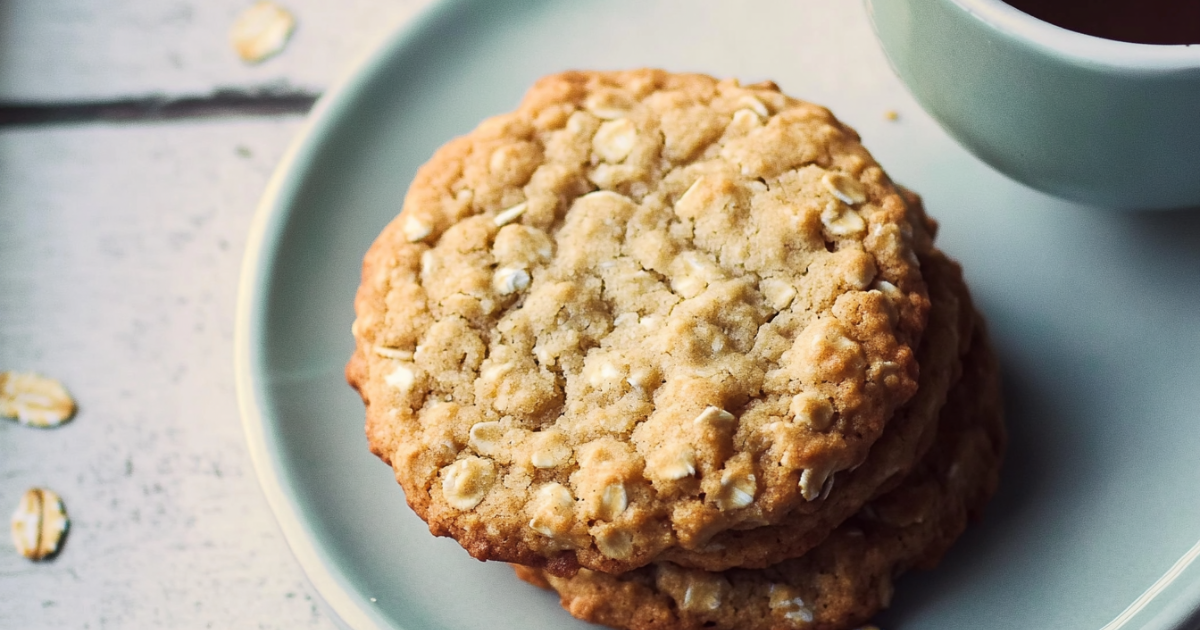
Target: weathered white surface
<point x="120" y="249"/>
<point x="58" y="50"/>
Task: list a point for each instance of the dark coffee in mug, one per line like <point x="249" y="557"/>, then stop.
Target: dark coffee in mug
<point x="1137" y="21"/>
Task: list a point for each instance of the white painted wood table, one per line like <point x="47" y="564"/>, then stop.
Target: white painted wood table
<point x="120" y="247"/>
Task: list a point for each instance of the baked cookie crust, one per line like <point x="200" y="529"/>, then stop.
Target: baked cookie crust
<point x="849" y="577"/>
<point x="642" y="309"/>
<point x="909" y="435"/>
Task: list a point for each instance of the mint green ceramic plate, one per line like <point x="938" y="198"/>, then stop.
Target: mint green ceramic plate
<point x="1097" y="318"/>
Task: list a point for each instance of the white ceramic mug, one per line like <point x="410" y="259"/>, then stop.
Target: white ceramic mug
<point x="1103" y="122"/>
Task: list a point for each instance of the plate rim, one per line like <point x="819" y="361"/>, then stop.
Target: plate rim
<point x="262" y="243"/>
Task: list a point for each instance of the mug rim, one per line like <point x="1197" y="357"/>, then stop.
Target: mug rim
<point x="1078" y="46"/>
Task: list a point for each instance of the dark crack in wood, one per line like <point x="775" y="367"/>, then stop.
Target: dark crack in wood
<point x="222" y="103"/>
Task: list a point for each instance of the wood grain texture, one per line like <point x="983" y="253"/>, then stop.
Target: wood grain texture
<point x="71" y="50"/>
<point x="120" y="248"/>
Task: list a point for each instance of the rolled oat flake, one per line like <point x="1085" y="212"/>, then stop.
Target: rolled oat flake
<point x="261" y="31"/>
<point x="34" y="400"/>
<point x="39" y="524"/>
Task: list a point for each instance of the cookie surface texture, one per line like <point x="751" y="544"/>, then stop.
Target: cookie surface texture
<point x="846" y="579"/>
<point x="908" y="437"/>
<point x="640" y="310"/>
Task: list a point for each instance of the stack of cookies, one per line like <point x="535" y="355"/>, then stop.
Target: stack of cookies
<point x="679" y="350"/>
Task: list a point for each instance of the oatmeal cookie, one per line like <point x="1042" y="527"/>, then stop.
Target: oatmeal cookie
<point x="908" y="436"/>
<point x="642" y="309"/>
<point x="847" y="578"/>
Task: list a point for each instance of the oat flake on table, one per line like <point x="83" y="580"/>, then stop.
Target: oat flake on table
<point x="39" y="524"/>
<point x="34" y="400"/>
<point x="261" y="31"/>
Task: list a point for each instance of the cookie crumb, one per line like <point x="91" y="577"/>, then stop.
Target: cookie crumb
<point x="891" y="115"/>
